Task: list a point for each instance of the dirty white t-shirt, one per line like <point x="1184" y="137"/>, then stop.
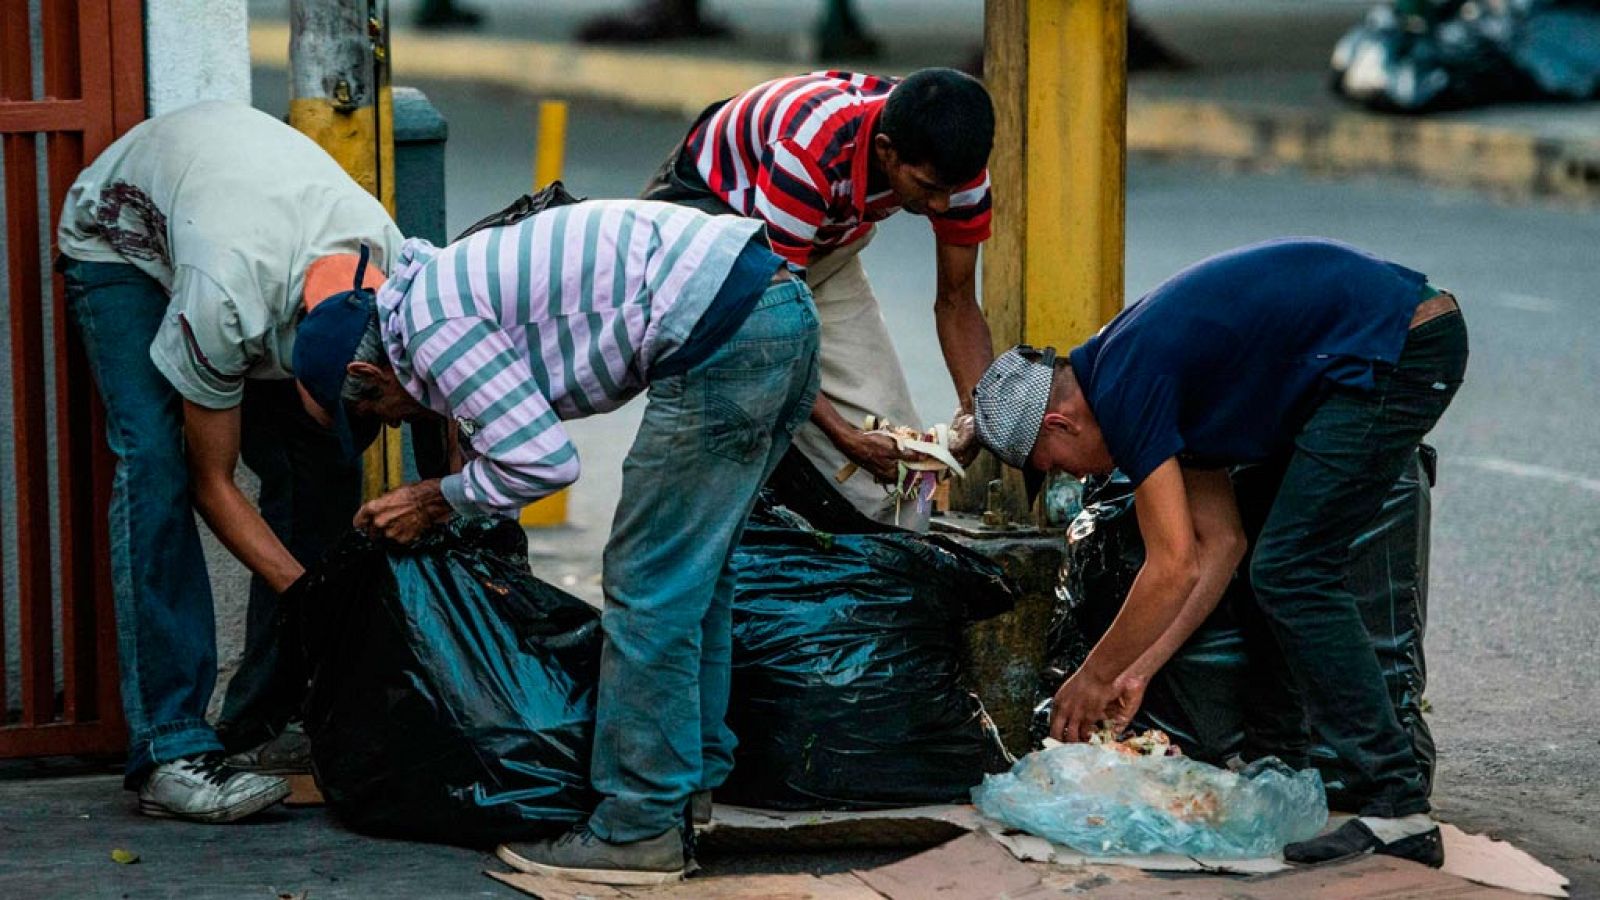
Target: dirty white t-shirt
<point x="225" y="206"/>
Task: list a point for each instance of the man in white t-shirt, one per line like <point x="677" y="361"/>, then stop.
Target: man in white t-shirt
<point x="186" y="248"/>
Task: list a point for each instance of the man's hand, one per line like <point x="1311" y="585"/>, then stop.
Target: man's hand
<point x="406" y="513"/>
<point x="1086" y="700"/>
<point x="964" y="444"/>
<point x="878" y="454"/>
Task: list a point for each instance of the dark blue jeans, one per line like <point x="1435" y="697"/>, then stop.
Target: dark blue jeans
<point x="166" y="634"/>
<point x="1345" y="459"/>
<point x="708" y="441"/>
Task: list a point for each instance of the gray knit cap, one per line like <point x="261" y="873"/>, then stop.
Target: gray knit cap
<point x="1010" y="399"/>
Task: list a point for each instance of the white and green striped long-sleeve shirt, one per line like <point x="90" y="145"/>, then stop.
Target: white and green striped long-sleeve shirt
<point x="559" y="316"/>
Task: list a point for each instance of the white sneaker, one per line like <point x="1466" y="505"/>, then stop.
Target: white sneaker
<point x="206" y="789"/>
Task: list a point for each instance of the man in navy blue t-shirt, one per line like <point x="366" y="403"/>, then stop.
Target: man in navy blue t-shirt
<point x="1303" y="350"/>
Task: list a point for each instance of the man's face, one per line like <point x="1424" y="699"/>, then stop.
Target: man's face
<point x="917" y="189"/>
<point x="392" y="405"/>
<point x="1071" y="444"/>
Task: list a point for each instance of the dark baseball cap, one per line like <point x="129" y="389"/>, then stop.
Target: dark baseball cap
<point x="340" y="301"/>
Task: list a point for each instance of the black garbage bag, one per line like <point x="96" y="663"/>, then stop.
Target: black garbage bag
<point x="1389" y="575"/>
<point x="1558" y="48"/>
<point x="550" y="196"/>
<point x="846" y="666"/>
<point x="1201" y="696"/>
<point x="1419" y="56"/>
<point x="452" y="693"/>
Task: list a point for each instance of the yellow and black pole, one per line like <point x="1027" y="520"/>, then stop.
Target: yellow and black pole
<point x="549" y="156"/>
<point x="340" y="96"/>
<point x="1052" y="272"/>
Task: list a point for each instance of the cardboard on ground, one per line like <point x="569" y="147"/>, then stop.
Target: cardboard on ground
<point x="976" y="859"/>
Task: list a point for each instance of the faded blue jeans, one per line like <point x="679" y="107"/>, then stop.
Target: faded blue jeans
<point x="708" y="441"/>
<point x="166" y="633"/>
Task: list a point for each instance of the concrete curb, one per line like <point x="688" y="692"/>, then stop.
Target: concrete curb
<point x="1508" y="162"/>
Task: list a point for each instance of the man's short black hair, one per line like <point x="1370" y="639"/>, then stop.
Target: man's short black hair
<point x="943" y="117"/>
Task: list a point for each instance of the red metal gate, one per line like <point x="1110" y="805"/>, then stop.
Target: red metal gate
<point x="58" y="110"/>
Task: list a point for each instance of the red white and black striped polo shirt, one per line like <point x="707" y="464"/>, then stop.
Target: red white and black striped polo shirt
<point x="793" y="152"/>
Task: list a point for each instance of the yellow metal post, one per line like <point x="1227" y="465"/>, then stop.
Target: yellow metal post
<point x="340" y="96"/>
<point x="549" y="156"/>
<point x="551" y="153"/>
<point x="1052" y="273"/>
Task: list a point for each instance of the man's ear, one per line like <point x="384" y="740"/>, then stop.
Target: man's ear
<point x="365" y="370"/>
<point x="887" y="154"/>
<point x="1062" y="422"/>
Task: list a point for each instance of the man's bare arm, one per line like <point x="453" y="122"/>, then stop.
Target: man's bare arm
<point x="963" y="331"/>
<point x="1169" y="574"/>
<point x="213" y="440"/>
<point x="1220" y="546"/>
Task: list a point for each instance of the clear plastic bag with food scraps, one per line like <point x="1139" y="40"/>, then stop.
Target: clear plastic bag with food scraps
<point x="1140" y="796"/>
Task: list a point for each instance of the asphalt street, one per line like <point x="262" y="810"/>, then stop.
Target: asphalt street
<point x="1514" y="630"/>
<point x="1216" y="34"/>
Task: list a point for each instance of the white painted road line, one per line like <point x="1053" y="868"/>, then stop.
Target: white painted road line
<point x="1527" y="470"/>
<point x="1528" y="303"/>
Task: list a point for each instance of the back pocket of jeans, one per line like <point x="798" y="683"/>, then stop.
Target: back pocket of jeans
<point x="743" y="407"/>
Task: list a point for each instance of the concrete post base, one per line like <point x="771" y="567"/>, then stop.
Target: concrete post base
<point x="1005" y="655"/>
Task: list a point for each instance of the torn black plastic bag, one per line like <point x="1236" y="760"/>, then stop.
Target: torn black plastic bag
<point x="452" y="693"/>
<point x="847" y="686"/>
<point x="1201" y="696"/>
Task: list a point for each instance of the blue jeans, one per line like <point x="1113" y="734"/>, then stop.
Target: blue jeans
<point x="708" y="441"/>
<point x="166" y="634"/>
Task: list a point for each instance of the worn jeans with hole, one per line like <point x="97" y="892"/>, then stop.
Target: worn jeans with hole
<point x="166" y="634"/>
<point x="1345" y="459"/>
<point x="708" y="441"/>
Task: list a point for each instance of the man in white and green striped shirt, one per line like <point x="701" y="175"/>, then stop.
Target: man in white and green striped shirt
<point x="571" y="312"/>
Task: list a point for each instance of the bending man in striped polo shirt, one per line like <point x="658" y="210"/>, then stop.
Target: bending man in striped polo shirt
<point x="572" y="312"/>
<point x="820" y="158"/>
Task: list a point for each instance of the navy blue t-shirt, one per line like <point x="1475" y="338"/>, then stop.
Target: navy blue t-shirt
<point x="1224" y="361"/>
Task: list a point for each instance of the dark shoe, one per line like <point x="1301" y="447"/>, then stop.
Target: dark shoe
<point x="1354" y="838"/>
<point x="700" y="807"/>
<point x="580" y="855"/>
<point x="287" y="753"/>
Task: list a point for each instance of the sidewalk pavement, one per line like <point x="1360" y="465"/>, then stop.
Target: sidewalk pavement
<point x="60" y="833"/>
<point x="1256" y="96"/>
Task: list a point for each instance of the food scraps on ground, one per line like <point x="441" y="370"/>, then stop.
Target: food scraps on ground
<point x="1189" y="800"/>
<point x="1152" y="743"/>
